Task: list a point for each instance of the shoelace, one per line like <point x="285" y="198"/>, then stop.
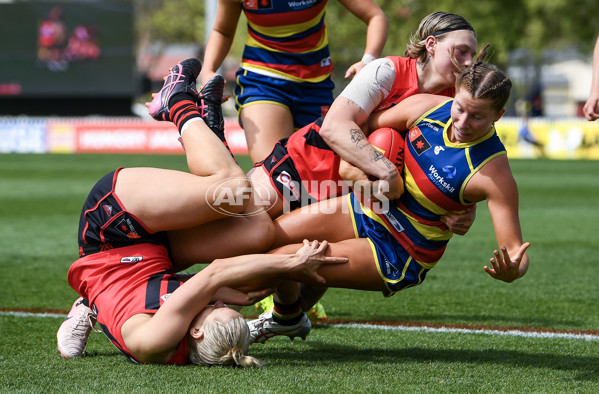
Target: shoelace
<point x="176" y="78"/>
<point x="203" y="107"/>
<point x="262" y="320"/>
<point x="92" y="322"/>
<point x="80" y="329"/>
<point x="83" y="320"/>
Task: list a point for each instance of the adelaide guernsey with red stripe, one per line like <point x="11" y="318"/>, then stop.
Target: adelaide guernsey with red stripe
<point x="287" y="39"/>
<point x="436" y="172"/>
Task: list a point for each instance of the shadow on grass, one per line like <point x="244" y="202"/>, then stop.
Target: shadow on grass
<point x="585" y="368"/>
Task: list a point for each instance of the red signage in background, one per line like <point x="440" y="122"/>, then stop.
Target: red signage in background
<point x="121" y="136"/>
<point x="559" y="138"/>
<point x="235" y="137"/>
<point x="127" y="136"/>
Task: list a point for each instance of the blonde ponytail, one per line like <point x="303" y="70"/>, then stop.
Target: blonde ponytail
<point x="223" y="344"/>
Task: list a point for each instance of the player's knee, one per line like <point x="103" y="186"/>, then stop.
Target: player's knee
<point x="230" y="193"/>
<point x="261" y="232"/>
<point x="233" y="173"/>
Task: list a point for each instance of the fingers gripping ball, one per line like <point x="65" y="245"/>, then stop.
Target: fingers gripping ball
<point x="390" y="143"/>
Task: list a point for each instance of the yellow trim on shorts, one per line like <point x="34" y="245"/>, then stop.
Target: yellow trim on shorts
<point x="368" y="212"/>
<point x="353" y="213"/>
<point x="388" y="292"/>
<point x="262" y="102"/>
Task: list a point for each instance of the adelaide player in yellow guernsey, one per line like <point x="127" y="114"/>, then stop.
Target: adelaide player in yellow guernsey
<point x="453" y="158"/>
<point x="284" y="81"/>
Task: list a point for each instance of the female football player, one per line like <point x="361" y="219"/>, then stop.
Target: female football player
<point x="125" y="275"/>
<point x="453" y="159"/>
<point x="284" y="81"/>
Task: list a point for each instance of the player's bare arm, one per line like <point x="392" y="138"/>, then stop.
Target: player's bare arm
<point x="495" y="183"/>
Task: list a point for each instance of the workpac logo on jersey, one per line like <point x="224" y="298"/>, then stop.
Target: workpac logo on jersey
<point x="419" y="143"/>
<point x="257" y="4"/>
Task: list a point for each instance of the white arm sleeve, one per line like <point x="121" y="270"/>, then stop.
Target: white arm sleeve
<point x="371" y="85"/>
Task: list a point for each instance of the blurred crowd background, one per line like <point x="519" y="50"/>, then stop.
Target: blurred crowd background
<point x="104" y="57"/>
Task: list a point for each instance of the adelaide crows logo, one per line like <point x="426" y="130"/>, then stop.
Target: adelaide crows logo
<point x="419" y="143"/>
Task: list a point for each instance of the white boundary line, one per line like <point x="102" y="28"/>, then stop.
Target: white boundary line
<point x="30" y="314"/>
<point x="510" y="332"/>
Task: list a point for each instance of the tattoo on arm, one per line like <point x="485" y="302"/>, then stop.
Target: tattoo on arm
<point x="359" y="139"/>
<point x="375" y="155"/>
<point x="385" y="161"/>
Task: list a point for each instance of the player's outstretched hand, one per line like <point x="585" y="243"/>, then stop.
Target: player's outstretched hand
<point x="311" y="256"/>
<point x="505" y="268"/>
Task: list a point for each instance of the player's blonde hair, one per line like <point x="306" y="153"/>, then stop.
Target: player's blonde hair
<point x="223" y="344"/>
<point x="436" y="24"/>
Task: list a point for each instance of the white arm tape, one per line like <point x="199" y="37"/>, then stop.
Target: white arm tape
<point x="371" y="85"/>
<point x="367" y="58"/>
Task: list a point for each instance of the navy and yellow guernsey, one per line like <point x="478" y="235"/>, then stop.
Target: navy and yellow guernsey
<point x="287" y="39"/>
<point x="436" y="172"/>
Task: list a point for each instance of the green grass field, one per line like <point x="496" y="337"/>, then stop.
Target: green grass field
<point x="41" y="198"/>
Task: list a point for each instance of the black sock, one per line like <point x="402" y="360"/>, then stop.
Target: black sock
<point x="183" y="109"/>
<point x="287" y="314"/>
